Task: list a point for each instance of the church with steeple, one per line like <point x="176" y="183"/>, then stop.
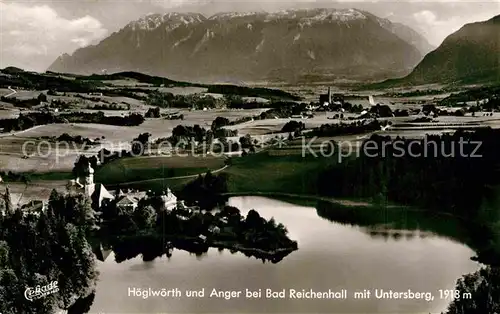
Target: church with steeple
<point x="85" y="184"/>
<point x="98" y="193"/>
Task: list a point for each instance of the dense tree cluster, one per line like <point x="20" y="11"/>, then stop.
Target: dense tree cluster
<point x="153" y="113"/>
<point x="169" y="100"/>
<point x="418" y="173"/>
<point x="9" y="176"/>
<point x="26" y="121"/>
<point x="78" y="139"/>
<point x="381" y="111"/>
<point x="474" y="94"/>
<point x="81" y="164"/>
<point x="21" y="103"/>
<point x="358" y="127"/>
<point x="189" y="133"/>
<point x="38" y="81"/>
<point x="140" y="144"/>
<point x="151" y="231"/>
<point x="219" y="122"/>
<point x="293" y="126"/>
<point x="247" y="142"/>
<point x="205" y="190"/>
<point x="113" y="106"/>
<point x="39" y="248"/>
<point x="352" y="108"/>
<point x="484" y="287"/>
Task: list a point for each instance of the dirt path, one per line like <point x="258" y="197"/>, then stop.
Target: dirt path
<point x="193" y="176"/>
<point x="21" y="132"/>
<point x="52" y="183"/>
<point x="13" y="92"/>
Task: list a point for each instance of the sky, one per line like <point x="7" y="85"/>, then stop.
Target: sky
<point x="33" y="33"/>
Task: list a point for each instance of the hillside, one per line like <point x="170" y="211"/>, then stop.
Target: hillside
<point x="64" y="82"/>
<point x="289" y="45"/>
<point x="470" y="55"/>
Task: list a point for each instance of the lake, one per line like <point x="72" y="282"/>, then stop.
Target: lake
<point x="330" y="256"/>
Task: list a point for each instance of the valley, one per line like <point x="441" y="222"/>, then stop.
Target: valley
<point x="330" y="152"/>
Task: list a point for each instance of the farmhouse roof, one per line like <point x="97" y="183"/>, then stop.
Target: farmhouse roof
<point x="126" y="200"/>
<point x="101" y="193"/>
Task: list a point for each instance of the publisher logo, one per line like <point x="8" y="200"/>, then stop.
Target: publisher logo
<point x="40" y="291"/>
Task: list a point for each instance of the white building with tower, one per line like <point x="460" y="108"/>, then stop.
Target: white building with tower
<point x="126" y="200"/>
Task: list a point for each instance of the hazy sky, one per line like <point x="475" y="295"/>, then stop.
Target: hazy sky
<point x="33" y="33"/>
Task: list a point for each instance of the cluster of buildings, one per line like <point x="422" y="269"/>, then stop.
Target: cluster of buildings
<point x="98" y="194"/>
<point x="128" y="199"/>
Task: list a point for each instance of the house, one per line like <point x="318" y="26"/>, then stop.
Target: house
<point x="202" y="237"/>
<point x="127" y="202"/>
<point x="128" y="199"/>
<point x="169" y="200"/>
<point x="99" y="194"/>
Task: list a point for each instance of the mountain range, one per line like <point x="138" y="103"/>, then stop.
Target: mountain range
<point x="290" y="45"/>
<point x="470" y="55"/>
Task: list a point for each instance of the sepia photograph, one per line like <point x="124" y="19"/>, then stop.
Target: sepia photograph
<point x="239" y="156"/>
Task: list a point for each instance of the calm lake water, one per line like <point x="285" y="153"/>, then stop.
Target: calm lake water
<point x="330" y="256"/>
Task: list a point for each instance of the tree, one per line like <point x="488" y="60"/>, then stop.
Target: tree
<point x="293" y="126"/>
<point x="145" y="218"/>
<point x="230" y="211"/>
<point x="75" y="209"/>
<point x="484" y="287"/>
<point x="246" y="141"/>
<point x="139" y="144"/>
<point x="253" y="219"/>
<point x="219" y="122"/>
<point x="81" y="164"/>
<point x="153" y="113"/>
<point x="9" y="208"/>
<point x="48" y="248"/>
<point x="42" y="97"/>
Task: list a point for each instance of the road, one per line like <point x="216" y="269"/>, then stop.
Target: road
<point x="21" y="132"/>
<point x="193" y="176"/>
<point x="13" y="92"/>
<point x="62" y="183"/>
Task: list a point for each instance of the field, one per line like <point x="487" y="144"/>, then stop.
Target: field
<point x="22" y="194"/>
<point x="258" y="173"/>
<point x="157" y="127"/>
<point x="151" y="168"/>
<point x="115" y="138"/>
<point x="264" y="173"/>
<point x="284" y="168"/>
<point x="157" y="172"/>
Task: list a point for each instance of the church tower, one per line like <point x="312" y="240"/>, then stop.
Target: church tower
<point x="330" y="95"/>
<point x="88" y="181"/>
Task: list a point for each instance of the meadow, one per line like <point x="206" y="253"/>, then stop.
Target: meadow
<point x="132" y="169"/>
